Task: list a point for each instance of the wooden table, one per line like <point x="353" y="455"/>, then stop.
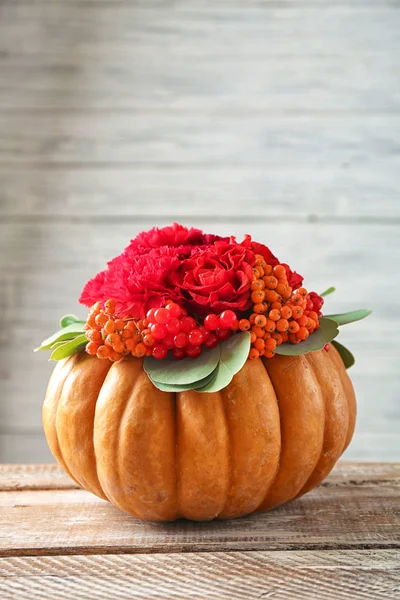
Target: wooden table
<point x="340" y="541"/>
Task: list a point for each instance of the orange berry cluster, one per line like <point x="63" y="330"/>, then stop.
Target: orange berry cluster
<point x="111" y="337"/>
<point x="280" y="313"/>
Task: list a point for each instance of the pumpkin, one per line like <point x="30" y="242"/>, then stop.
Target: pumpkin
<point x="273" y="434"/>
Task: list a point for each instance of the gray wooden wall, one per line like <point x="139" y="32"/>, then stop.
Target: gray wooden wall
<point x="278" y="118"/>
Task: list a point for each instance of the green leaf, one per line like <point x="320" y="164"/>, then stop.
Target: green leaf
<point x="350" y="317"/>
<point x="70" y="320"/>
<point x="70" y="347"/>
<point x="234" y="353"/>
<point x="330" y="290"/>
<point x="165" y="387"/>
<point x="182" y="372"/>
<point x="66" y="333"/>
<point x="327" y="331"/>
<point x="346" y="356"/>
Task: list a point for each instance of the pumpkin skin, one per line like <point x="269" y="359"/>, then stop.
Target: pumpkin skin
<point x="272" y="435"/>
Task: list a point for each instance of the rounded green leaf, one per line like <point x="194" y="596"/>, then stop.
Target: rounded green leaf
<point x="350" y="317"/>
<point x="70" y="320"/>
<point x="66" y="333"/>
<point x="165" y="387"/>
<point x="182" y="372"/>
<point x="345" y="354"/>
<point x="327" y="331"/>
<point x="234" y="353"/>
<point x="70" y="347"/>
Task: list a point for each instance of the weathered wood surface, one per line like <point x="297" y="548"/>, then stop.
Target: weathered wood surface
<point x="340" y="541"/>
<point x="357" y="507"/>
<point x="276" y="118"/>
<point x="305" y="575"/>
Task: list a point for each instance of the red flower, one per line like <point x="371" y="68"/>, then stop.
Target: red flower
<point x="174" y="236"/>
<point x="217" y="278"/>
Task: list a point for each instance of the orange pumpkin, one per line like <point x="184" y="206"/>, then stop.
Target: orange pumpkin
<point x="272" y="435"/>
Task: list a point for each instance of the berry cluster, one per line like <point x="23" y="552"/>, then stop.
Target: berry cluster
<point x="280" y="314"/>
<point x="163" y="329"/>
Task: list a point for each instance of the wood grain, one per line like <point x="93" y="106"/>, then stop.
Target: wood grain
<point x="329" y="575"/>
<point x="348" y="511"/>
<point x="336" y="193"/>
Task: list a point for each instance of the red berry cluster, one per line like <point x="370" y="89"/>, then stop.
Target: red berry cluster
<point x="163" y="329"/>
<point x="170" y="328"/>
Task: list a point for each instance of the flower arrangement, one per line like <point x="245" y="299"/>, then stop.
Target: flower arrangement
<point x="196" y="306"/>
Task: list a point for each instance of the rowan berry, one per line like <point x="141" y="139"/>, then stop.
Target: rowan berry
<point x="276" y="305"/>
<point x="120" y="324"/>
<point x="257" y="296"/>
<point x="274" y="314"/>
<point x="277" y="337"/>
<point x="112" y="338"/>
<point x="296" y="299"/>
<point x="92" y="348"/>
<point x="253" y="354"/>
<point x="268" y="354"/>
<point x="253" y="337"/>
<point x="103" y="352"/>
<point x="260" y="308"/>
<point x="115" y="356"/>
<point x="286" y="312"/>
<point x="109" y="326"/>
<point x="302" y="321"/>
<point x="282" y="325"/>
<point x="279" y="271"/>
<point x="127" y="334"/>
<point x="293" y="326"/>
<point x="270" y="282"/>
<point x="271" y="296"/>
<point x="294" y="339"/>
<point x="101" y="319"/>
<point x="140" y="350"/>
<point x="260" y="321"/>
<point x="109" y="305"/>
<point x="252" y="318"/>
<point x="297" y="312"/>
<point x="281" y="288"/>
<point x="259" y="345"/>
<point x="148" y="340"/>
<point x="94" y="335"/>
<point x="131" y="343"/>
<point x="267" y="270"/>
<point x="258" y="284"/>
<point x="259" y="331"/>
<point x="270" y="326"/>
<point x="302" y="292"/>
<point x="270" y="344"/>
<point x="302" y="333"/>
<point x="285" y="336"/>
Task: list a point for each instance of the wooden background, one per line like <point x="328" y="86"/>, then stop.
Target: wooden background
<point x="279" y="118"/>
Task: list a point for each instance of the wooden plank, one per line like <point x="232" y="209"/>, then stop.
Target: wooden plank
<point x="353" y="512"/>
<point x="165" y="138"/>
<point x="329" y="575"/>
<point x="334" y="193"/>
<point x="34" y="477"/>
<point x="263" y="30"/>
<point x="230" y="84"/>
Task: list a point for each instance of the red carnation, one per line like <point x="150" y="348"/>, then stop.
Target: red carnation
<point x="217" y="278"/>
<point x="174" y="236"/>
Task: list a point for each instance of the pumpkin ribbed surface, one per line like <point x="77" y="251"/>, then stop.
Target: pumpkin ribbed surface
<point x="272" y="435"/>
